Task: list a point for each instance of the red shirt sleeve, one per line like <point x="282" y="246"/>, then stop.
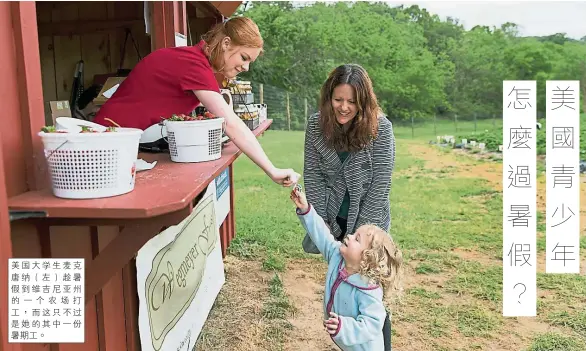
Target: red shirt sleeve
<point x="198" y="73"/>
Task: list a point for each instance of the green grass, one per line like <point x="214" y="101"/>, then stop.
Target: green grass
<point x="277" y="309"/>
<point x="433" y="213"/>
<point x="481" y="282"/>
<point x="556" y="342"/>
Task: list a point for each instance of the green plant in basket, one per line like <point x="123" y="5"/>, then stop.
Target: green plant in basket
<point x="51" y="129"/>
<point x="185" y="118"/>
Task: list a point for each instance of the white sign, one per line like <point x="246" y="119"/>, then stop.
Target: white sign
<point x="180" y="39"/>
<point x="562" y="160"/>
<point x="519" y="199"/>
<point x="46" y="300"/>
<point x="179" y="272"/>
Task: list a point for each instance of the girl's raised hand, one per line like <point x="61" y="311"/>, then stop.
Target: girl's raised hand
<point x="299" y="199"/>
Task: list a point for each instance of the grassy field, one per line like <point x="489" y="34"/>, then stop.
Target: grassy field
<point x="447" y="218"/>
<point x="429" y="130"/>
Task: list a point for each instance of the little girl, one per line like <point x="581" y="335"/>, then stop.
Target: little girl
<point x="357" y="267"/>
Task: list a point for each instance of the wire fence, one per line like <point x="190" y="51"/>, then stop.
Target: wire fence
<point x="289" y="111"/>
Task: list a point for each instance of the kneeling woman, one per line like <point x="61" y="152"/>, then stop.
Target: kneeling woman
<point x="349" y="159"/>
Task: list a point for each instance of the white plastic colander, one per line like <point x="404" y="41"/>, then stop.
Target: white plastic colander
<point x="92" y="165"/>
<point x="195" y="141"/>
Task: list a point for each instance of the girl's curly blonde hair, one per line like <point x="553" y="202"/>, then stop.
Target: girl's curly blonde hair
<point x="382" y="262"/>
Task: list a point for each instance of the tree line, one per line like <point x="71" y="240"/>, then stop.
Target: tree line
<point x="420" y="64"/>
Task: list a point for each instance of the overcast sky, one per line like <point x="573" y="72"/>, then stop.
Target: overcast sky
<point x="534" y="18"/>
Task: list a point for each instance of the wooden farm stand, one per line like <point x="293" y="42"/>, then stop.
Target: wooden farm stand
<point x="40" y="44"/>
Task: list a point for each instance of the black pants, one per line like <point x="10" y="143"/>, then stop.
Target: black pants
<point x="387" y="333"/>
<point x="343" y="223"/>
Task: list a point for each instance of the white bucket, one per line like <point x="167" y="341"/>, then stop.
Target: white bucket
<point x="92" y="165"/>
<point x="195" y="141"/>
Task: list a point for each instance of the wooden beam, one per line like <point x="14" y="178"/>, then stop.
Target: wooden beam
<point x="208" y="7"/>
<point x="85" y="27"/>
<point x="157" y="12"/>
<point x="5" y="254"/>
<point x="28" y="62"/>
<point x="182" y="16"/>
<point x="169" y="23"/>
<point x="5" y="231"/>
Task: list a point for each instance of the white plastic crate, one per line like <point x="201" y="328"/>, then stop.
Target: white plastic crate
<point x="262" y="112"/>
<point x="195" y="141"/>
<point x="92" y="165"/>
<point x="247" y="98"/>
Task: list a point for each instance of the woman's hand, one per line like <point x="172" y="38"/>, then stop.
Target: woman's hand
<point x="299" y="199"/>
<point x="243" y="137"/>
<point x="284" y="177"/>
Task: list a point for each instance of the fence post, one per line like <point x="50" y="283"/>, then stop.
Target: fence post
<point x="474" y="122"/>
<point x="412" y="127"/>
<point x="261" y="93"/>
<point x="435" y="124"/>
<point x="288" y="113"/>
<point x="494" y="121"/>
<point x="305" y="104"/>
<point x="456" y="122"/>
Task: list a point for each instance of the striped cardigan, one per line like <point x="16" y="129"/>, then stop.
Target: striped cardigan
<point x="366" y="175"/>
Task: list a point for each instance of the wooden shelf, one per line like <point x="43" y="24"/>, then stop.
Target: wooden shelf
<point x="166" y="188"/>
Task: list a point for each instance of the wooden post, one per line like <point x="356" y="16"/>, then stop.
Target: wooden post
<point x="19" y="53"/>
<point x="475" y="125"/>
<point x="261" y="93"/>
<point x="168" y="17"/>
<point x="305" y="110"/>
<point x="26" y="43"/>
<point x="493" y="120"/>
<point x="288" y="113"/>
<point x="5" y="254"/>
<point x="456" y="122"/>
<point x="412" y="127"/>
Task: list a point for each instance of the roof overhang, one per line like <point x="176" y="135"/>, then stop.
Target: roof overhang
<point x="226" y="8"/>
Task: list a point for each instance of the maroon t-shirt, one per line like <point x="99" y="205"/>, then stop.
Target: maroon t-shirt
<point x="160" y="85"/>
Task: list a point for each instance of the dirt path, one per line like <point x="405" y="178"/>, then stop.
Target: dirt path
<point x="235" y="322"/>
<point x="303" y="282"/>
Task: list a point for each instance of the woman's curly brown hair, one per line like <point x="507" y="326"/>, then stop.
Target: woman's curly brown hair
<point x="382" y="262"/>
<point x="364" y="126"/>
